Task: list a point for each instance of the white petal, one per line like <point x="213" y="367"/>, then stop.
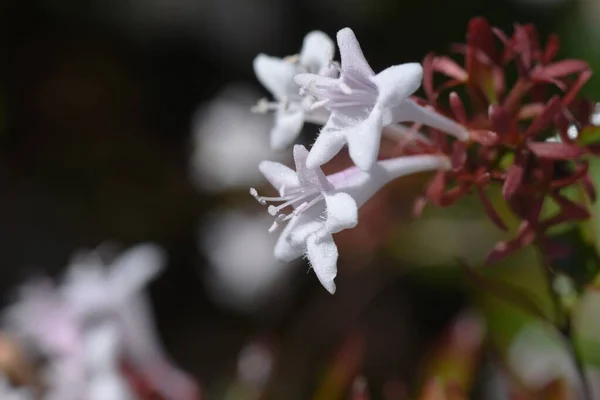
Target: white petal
<point x="364" y="139"/>
<point x="342" y="212"/>
<point x="278" y="174"/>
<point x="317" y="51"/>
<point x="351" y="54"/>
<point x="275" y="74"/>
<point x="284" y="251"/>
<point x="288" y="124"/>
<point x="135" y="268"/>
<point x="327" y="146"/>
<point x="397" y="83"/>
<point x="323" y="254"/>
<point x="308" y="176"/>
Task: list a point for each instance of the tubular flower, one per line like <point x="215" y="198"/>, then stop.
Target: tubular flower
<point x="323" y="205"/>
<point x="277" y="75"/>
<point x="362" y="103"/>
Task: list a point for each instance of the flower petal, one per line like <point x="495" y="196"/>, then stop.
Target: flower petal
<point x="278" y="174"/>
<point x="398" y="82"/>
<point x="275" y="74"/>
<point x="342" y="212"/>
<point x="364" y="139"/>
<point x="323" y="254"/>
<point x="288" y="124"/>
<point x="351" y="54"/>
<point x="308" y="176"/>
<point x="328" y="145"/>
<point x="284" y="250"/>
<point x="135" y="268"/>
<point x="317" y="51"/>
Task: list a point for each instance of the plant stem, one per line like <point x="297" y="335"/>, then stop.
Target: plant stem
<point x="565" y="327"/>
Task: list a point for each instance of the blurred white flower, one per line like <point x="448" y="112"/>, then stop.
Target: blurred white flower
<point x="229" y="141"/>
<point x="97" y="317"/>
<point x="8" y="392"/>
<point x="539" y="355"/>
<point x="243" y="272"/>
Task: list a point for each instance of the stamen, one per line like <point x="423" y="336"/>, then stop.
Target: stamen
<point x="276" y="223"/>
<point x="263" y="106"/>
<point x="319" y="104"/>
<point x="254" y="194"/>
<point x="344" y="88"/>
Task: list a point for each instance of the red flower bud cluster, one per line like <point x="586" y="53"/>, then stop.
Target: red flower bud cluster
<point x="519" y="132"/>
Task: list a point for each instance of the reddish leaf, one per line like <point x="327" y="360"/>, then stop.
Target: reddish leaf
<point x="551" y="50"/>
<point x="545" y="118"/>
<point x="450" y="68"/>
<point x="588" y="186"/>
<point x="459" y="154"/>
<point x="458" y="108"/>
<point x="579" y="174"/>
<point x="490" y="210"/>
<point x="503" y="249"/>
<point x="514" y="177"/>
<point x="555" y="150"/>
<point x="428" y="77"/>
<point x="484" y="137"/>
<point x="530" y="111"/>
<point x="576" y="87"/>
<point x="436" y="187"/>
<point x="481" y="37"/>
<point x="563" y="68"/>
<point x="500" y="119"/>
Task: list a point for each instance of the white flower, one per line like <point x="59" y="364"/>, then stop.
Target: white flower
<point x="8" y="392"/>
<point x="362" y="103"/>
<point x="277" y="75"/>
<point x="323" y="205"/>
<point x="243" y="280"/>
<point x="116" y="292"/>
<point x="228" y="141"/>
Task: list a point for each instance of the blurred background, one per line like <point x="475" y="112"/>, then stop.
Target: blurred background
<point x="127" y="121"/>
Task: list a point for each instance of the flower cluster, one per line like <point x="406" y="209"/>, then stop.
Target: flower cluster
<point x="93" y="328"/>
<point x="528" y="137"/>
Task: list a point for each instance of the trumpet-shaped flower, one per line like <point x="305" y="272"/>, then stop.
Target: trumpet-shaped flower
<point x="362" y="103"/>
<point x="323" y="205"/>
<point x="277" y="75"/>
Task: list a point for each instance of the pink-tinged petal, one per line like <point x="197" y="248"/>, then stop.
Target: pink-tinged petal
<point x="555" y="150"/>
<point x="317" y="51"/>
<point x="308" y="176"/>
<point x="278" y="175"/>
<point x="328" y="145"/>
<point x="322" y="254"/>
<point x="450" y="68"/>
<point x="342" y="212"/>
<point x="351" y="54"/>
<point x="288" y="124"/>
<point x="364" y="140"/>
<point x="275" y="74"/>
<point x="397" y="83"/>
